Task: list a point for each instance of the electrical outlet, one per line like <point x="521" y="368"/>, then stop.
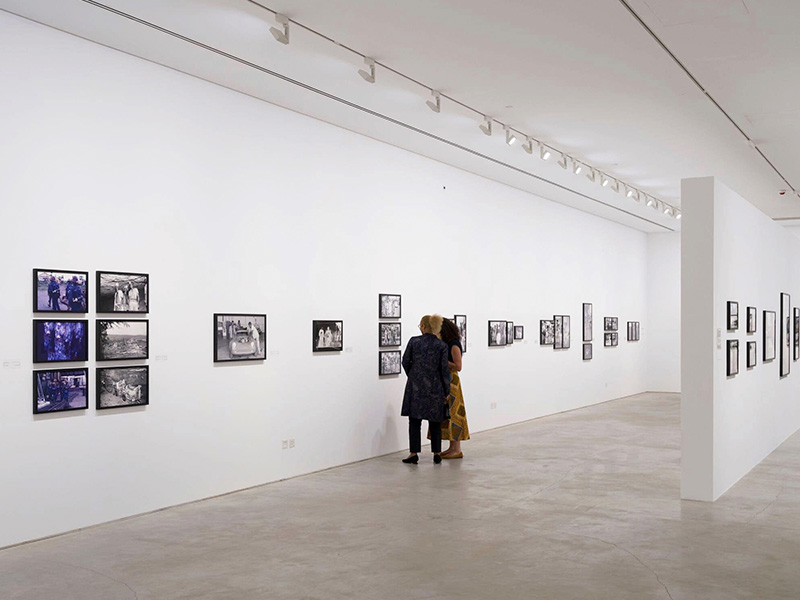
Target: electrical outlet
<point x="284" y="444"/>
<point x="291" y="443"/>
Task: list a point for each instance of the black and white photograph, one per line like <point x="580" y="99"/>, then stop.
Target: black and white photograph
<point x="797" y="333"/>
<point x="60" y="390"/>
<point x="239" y="337"/>
<point x="611" y="338"/>
<point x="509" y="332"/>
<point x="546" y="332"/>
<point x="751" y="355"/>
<point x="587" y="321"/>
<point x="638" y="331"/>
<point x="786" y="334"/>
<point x="461" y="323"/>
<point x="122" y="292"/>
<point x="733" y="357"/>
<point x="561" y="332"/>
<point x="60" y="291"/>
<point x="497" y="333"/>
<point x="389" y="362"/>
<point x="610" y="323"/>
<point x="752" y="319"/>
<point x="587" y="352"/>
<point x="60" y="341"/>
<point x="118" y="387"/>
<point x="733" y="316"/>
<point x="123" y="339"/>
<point x="633" y="331"/>
<point x="519" y="332"/>
<point x="769" y="335"/>
<point x="389" y="334"/>
<point x="389" y="306"/>
<point x="328" y="336"/>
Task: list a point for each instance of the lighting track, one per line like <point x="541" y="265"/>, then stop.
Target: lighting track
<point x="355" y="106"/>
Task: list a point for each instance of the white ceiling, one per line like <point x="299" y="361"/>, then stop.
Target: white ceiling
<point x="581" y="75"/>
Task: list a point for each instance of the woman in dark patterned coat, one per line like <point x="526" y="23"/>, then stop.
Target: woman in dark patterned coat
<point x="425" y="363"/>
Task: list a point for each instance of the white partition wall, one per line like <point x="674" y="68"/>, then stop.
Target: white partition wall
<point x="731" y="251"/>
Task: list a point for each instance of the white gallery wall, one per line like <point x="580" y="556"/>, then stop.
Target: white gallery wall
<point x="234" y="205"/>
<point x="663" y="332"/>
<point x="731" y="251"/>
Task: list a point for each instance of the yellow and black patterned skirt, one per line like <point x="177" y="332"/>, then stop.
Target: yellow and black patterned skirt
<point x="456" y="427"/>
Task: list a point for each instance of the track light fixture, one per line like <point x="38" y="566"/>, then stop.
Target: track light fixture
<point x="281" y="36"/>
<point x="563" y="161"/>
<point x="435" y="103"/>
<point x="667" y="209"/>
<point x="604" y="180"/>
<point x="576" y="167"/>
<point x="544" y="152"/>
<point x="629" y="192"/>
<point x="368" y="74"/>
<point x="592" y="175"/>
<point x="678" y="215"/>
<point x="511" y="139"/>
<point x="486" y="126"/>
<point x="528" y="145"/>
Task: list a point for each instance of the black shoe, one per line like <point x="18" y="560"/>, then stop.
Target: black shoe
<point x="411" y="460"/>
<point x="437" y="459"/>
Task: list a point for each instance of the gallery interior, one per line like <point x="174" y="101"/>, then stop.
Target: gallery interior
<point x="277" y="192"/>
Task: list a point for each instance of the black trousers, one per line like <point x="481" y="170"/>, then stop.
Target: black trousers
<point x="415" y="437"/>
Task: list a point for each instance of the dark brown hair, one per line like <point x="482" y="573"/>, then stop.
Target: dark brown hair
<point x="450" y="332"/>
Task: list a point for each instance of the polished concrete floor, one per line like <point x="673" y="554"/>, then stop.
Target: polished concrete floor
<point x="579" y="505"/>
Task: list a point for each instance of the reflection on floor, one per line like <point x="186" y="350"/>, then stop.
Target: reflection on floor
<point x="578" y="505"/>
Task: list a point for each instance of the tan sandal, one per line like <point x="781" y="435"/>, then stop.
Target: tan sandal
<point x="459" y="455"/>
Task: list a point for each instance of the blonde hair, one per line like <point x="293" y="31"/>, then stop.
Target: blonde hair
<point x="431" y="324"/>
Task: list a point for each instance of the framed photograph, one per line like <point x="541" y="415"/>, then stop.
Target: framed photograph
<point x="638" y="330"/>
<point x="587" y="322"/>
<point x="752" y="319"/>
<point x="123" y="339"/>
<point x="60" y="341"/>
<point x="58" y="290"/>
<point x="122" y="292"/>
<point x="519" y="332"/>
<point x="611" y="323"/>
<point x="786" y="335"/>
<point x="733" y="316"/>
<point x="389" y="334"/>
<point x="389" y="306"/>
<point x="587" y="352"/>
<point x="797" y="333"/>
<point x="546" y="333"/>
<point x="239" y="336"/>
<point x="733" y="357"/>
<point x="389" y="362"/>
<point x="509" y="332"/>
<point x="558" y="332"/>
<point x="611" y="338"/>
<point x="751" y="355"/>
<point x="118" y="387"/>
<point x="328" y="336"/>
<point x="607" y="339"/>
<point x="497" y="333"/>
<point x="461" y="323"/>
<point x="60" y="390"/>
<point x="630" y="331"/>
<point x="769" y="335"/>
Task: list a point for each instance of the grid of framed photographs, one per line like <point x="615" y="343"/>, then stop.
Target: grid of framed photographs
<point x="389" y="334"/>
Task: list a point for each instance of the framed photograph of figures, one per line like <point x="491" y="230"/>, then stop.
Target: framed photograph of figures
<point x="733" y="316"/>
<point x="118" y="387"/>
<point x="389" y="306"/>
<point x="751" y="355"/>
<point x="509" y="332"/>
<point x="389" y="362"/>
<point x="797" y="333"/>
<point x="546" y="332"/>
<point x="123" y="292"/>
<point x="633" y="331"/>
<point x="561" y="332"/>
<point x="611" y="323"/>
<point x="497" y="333"/>
<point x="123" y="339"/>
<point x="733" y="358"/>
<point x="60" y="390"/>
<point x="587" y="352"/>
<point x="60" y="341"/>
<point x="786" y="334"/>
<point x="769" y="335"/>
<point x="611" y="338"/>
<point x="752" y="319"/>
<point x="60" y="291"/>
<point x="240" y="337"/>
<point x="389" y="334"/>
<point x="587" y="321"/>
<point x="519" y="332"/>
<point x="328" y="336"/>
<point x="461" y="323"/>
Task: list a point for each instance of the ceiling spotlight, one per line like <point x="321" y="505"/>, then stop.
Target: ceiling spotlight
<point x="435" y="103"/>
<point x="486" y="126"/>
<point x="629" y="192"/>
<point x="528" y="145"/>
<point x="667" y="209"/>
<point x="678" y="215"/>
<point x="563" y="161"/>
<point x="576" y="167"/>
<point x="368" y="74"/>
<point x="604" y="181"/>
<point x="651" y="201"/>
<point x="510" y="137"/>
<point x="281" y="36"/>
<point x="544" y="152"/>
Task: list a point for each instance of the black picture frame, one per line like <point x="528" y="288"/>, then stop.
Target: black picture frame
<point x="234" y="339"/>
<point x="497" y="333"/>
<point x="785" y="337"/>
<point x="43" y="297"/>
<point x="48" y="399"/>
<point x="108" y="282"/>
<point x="633" y="331"/>
<point x="752" y="355"/>
<point x="610" y="338"/>
<point x="588" y="321"/>
<point x="390" y="306"/>
<point x="638" y="331"/>
<point x="519" y="332"/>
<point x="752" y="319"/>
<point x="69" y="343"/>
<point x="321" y="341"/>
<point x="561" y="332"/>
<point x="461" y="323"/>
<point x="546" y="332"/>
<point x="390" y="334"/>
<point x="732" y="358"/>
<point x="610" y="323"/>
<point x="768" y="341"/>
<point x="797" y="333"/>
<point x="107" y="350"/>
<point x="509" y="332"/>
<point x="122" y="387"/>
<point x="587" y="351"/>
<point x="733" y="315"/>
<point x="389" y="362"/>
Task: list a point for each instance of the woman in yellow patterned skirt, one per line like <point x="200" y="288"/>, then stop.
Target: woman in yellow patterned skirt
<point x="454" y="429"/>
